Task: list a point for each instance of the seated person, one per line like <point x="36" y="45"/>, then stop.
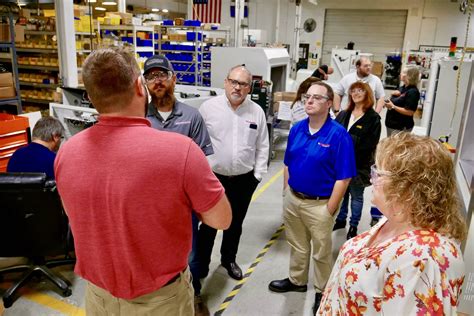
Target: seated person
<point x="38" y="156"/>
<point x="323" y="72"/>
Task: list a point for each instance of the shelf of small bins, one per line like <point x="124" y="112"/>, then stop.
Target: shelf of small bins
<point x="34" y="32"/>
<point x="39" y="85"/>
<point x="37" y="50"/>
<point x="53" y="68"/>
<point x="142" y="49"/>
<point x="85" y="34"/>
<point x="32" y="100"/>
<point x="127" y="28"/>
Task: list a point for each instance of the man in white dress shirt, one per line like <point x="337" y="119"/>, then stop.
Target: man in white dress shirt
<point x="362" y="73"/>
<point x="239" y="136"/>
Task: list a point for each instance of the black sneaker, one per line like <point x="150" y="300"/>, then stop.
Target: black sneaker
<point x="285" y="285"/>
<point x="339" y="224"/>
<point x="352" y="232"/>
<point x="374" y="221"/>
<point x="317" y="302"/>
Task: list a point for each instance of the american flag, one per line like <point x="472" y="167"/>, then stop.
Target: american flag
<point x="208" y="13"/>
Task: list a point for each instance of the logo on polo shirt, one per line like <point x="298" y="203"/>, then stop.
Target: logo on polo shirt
<point x="182" y="123"/>
<point x="324" y="145"/>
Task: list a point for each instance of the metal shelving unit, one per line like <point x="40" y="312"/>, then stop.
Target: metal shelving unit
<point x="201" y="66"/>
<point x="133" y="29"/>
<point x="6" y="11"/>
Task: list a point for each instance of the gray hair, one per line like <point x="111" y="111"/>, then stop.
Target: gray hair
<point x="413" y="75"/>
<point x="46" y="128"/>
<point x="109" y="75"/>
<point x="243" y="68"/>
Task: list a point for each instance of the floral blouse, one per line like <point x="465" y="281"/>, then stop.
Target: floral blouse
<point x="416" y="273"/>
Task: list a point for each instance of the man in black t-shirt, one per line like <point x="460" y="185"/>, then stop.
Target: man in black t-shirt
<point x="323" y="72"/>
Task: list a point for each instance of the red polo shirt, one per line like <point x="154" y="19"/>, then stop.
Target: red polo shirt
<point x="128" y="191"/>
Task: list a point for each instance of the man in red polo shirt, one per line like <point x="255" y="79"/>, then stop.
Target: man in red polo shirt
<point x="128" y="191"/>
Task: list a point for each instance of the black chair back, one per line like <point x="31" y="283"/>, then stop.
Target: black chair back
<point x="32" y="219"/>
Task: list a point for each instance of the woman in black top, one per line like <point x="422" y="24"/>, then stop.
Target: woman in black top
<point x="403" y="103"/>
<point x="363" y="124"/>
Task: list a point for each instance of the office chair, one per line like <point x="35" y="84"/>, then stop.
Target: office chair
<point x="33" y="225"/>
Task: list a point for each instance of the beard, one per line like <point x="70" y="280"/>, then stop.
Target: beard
<point x="163" y="97"/>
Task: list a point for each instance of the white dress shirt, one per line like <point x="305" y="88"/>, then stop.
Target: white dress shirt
<point x="239" y="138"/>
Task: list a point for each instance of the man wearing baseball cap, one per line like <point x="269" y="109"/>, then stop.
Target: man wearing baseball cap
<point x="168" y="114"/>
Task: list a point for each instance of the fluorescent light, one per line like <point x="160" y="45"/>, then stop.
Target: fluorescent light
<point x="155" y="10"/>
<point x="92" y="1"/>
<point x="109" y="3"/>
<point x="100" y="9"/>
<point x="165" y="11"/>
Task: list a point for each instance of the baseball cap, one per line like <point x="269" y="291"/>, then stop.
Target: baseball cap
<point x="157" y="61"/>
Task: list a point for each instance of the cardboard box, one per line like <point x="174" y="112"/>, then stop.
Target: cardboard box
<point x="7" y="92"/>
<point x="377" y="69"/>
<point x="282" y="96"/>
<point x="4" y="32"/>
<point x="6" y="79"/>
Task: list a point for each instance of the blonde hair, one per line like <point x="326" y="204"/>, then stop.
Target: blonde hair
<point x="421" y="177"/>
<point x="413" y="76"/>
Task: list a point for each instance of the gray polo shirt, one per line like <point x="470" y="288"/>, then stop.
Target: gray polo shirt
<point x="184" y="120"/>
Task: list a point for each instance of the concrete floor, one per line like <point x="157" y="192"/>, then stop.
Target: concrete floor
<point x="263" y="219"/>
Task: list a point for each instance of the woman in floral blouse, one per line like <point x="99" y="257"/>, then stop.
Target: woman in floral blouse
<point x="410" y="263"/>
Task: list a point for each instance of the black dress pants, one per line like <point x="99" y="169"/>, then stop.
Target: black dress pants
<point x="239" y="190"/>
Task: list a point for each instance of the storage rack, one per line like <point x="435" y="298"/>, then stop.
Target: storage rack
<point x="142" y="48"/>
<point x="5" y="11"/>
<point x="188" y="50"/>
<point x="38" y="66"/>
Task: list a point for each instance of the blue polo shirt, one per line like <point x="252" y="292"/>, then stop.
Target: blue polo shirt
<point x="33" y="158"/>
<point x="315" y="162"/>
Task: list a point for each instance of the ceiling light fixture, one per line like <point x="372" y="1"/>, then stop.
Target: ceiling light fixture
<point x="92" y="1"/>
<point x="155" y="10"/>
<point x="109" y="3"/>
<point x="165" y="11"/>
<point x="100" y="9"/>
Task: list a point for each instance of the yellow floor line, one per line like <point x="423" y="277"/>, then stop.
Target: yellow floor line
<point x="53" y="303"/>
<point x="71" y="310"/>
<point x="266" y="185"/>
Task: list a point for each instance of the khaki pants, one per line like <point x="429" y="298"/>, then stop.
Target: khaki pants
<point x="308" y="221"/>
<point x="173" y="299"/>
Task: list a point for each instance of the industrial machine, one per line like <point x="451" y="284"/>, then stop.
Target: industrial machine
<point x="446" y="113"/>
<point x="271" y="64"/>
<point x="77" y="113"/>
<point x="343" y="61"/>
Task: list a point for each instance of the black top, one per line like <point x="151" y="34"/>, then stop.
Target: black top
<point x="365" y="133"/>
<point x="318" y="74"/>
<point x="408" y="99"/>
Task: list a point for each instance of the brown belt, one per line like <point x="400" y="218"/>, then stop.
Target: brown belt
<point x="173" y="279"/>
<point x="308" y="197"/>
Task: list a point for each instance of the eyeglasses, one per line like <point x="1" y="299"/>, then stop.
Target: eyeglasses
<point x="375" y="174"/>
<point x="358" y="91"/>
<point x="235" y="83"/>
<point x="316" y="97"/>
<point x="160" y="75"/>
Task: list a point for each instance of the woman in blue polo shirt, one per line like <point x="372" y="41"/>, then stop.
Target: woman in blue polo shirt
<point x="320" y="163"/>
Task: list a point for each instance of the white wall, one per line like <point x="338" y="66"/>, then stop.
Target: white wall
<point x="443" y="15"/>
